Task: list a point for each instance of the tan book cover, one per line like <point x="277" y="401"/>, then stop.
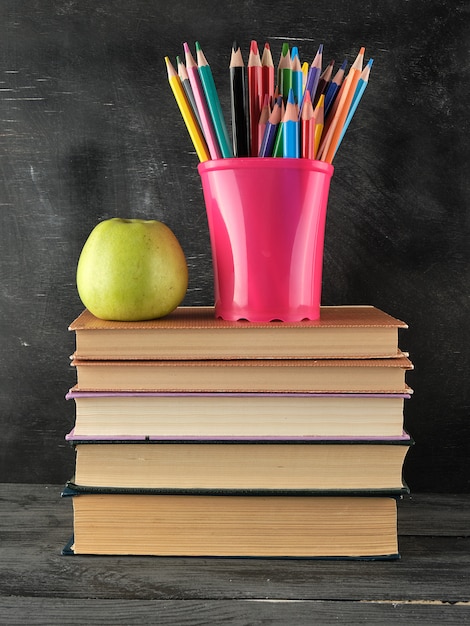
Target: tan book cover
<point x="288" y="375"/>
<point x="195" y="333"/>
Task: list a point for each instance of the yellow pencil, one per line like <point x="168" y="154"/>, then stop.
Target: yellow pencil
<point x="319" y="121"/>
<point x="186" y="111"/>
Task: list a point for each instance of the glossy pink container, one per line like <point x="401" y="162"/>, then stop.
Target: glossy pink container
<point x="266" y="221"/>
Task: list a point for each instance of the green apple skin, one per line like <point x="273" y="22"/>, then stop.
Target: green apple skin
<point x="131" y="270"/>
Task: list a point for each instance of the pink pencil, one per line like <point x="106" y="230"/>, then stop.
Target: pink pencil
<point x="199" y="97"/>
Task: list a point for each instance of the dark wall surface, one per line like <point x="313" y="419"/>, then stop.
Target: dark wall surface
<point x="89" y="129"/>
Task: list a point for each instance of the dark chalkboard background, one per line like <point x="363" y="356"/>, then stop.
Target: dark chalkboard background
<point x="89" y="129"/>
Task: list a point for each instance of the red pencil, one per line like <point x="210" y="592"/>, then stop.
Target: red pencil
<point x="307" y="129"/>
<point x="268" y="73"/>
<point x="255" y="87"/>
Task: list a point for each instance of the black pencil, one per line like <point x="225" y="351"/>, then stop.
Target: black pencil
<point x="240" y="126"/>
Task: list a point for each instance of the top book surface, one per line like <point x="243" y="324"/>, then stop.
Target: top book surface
<point x="195" y="333"/>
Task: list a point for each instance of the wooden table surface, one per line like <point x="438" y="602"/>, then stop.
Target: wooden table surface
<point x="430" y="584"/>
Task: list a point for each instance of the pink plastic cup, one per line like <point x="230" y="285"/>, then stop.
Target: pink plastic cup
<point x="266" y="221"/>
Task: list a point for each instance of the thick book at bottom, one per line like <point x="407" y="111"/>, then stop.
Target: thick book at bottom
<point x="241" y="525"/>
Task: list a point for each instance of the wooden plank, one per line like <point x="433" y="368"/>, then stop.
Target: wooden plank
<point x="49" y="611"/>
<point x="430" y="569"/>
<point x="434" y="514"/>
<point x="35" y="524"/>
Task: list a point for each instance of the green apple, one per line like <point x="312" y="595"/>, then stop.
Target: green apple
<point x="131" y="269"/>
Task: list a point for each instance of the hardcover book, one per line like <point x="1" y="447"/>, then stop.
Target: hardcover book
<point x="237" y="414"/>
<point x="292" y="375"/>
<point x="261" y="464"/>
<point x="195" y="333"/>
<point x="234" y="525"/>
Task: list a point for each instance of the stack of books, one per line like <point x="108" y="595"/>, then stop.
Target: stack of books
<point x="196" y="436"/>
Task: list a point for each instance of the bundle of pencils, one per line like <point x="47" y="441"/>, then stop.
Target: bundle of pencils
<point x="292" y="111"/>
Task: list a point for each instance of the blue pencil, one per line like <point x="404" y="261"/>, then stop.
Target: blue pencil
<point x="272" y="125"/>
<point x="360" y="88"/>
<point x="334" y="87"/>
<point x="291" y="129"/>
<point x="297" y="76"/>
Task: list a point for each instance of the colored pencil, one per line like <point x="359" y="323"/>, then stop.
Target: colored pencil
<point x="297" y="77"/>
<point x="313" y="75"/>
<point x="361" y="87"/>
<point x="307" y="129"/>
<point x="328" y="148"/>
<point x="323" y="83"/>
<point x="291" y="126"/>
<point x="213" y="102"/>
<point x="278" y="147"/>
<point x="183" y="74"/>
<point x="239" y="107"/>
<point x="255" y="87"/>
<point x="333" y="87"/>
<point x="305" y="74"/>
<point x="319" y="122"/>
<point x="284" y="61"/>
<point x="263" y="119"/>
<point x="268" y="73"/>
<point x="204" y="115"/>
<point x="272" y="125"/>
<point x="189" y="118"/>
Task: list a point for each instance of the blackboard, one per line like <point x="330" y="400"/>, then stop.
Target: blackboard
<point x="89" y="130"/>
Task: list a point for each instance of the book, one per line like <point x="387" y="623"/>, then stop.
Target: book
<point x="195" y="333"/>
<point x="234" y="525"/>
<point x="272" y="464"/>
<point x="254" y="375"/>
<point x="236" y="414"/>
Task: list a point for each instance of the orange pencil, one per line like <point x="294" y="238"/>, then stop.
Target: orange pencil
<point x="328" y="147"/>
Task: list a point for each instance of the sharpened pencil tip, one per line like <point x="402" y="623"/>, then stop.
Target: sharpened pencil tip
<point x="198" y="46"/>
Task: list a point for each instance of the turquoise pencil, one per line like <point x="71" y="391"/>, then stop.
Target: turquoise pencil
<point x="291" y="129"/>
<point x="213" y="103"/>
<point x="360" y="88"/>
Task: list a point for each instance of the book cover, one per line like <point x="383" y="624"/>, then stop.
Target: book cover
<point x="195" y="333"/>
<point x="237" y="414"/>
<point x="261" y="464"/>
<point x="278" y="375"/>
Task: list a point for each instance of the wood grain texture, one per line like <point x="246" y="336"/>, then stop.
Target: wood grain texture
<point x="429" y="584"/>
<point x="90" y="130"/>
